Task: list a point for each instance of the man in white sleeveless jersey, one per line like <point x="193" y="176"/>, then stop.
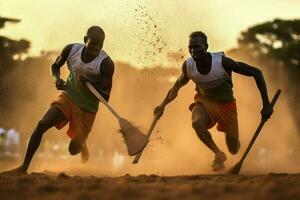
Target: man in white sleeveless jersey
<point x="214" y="102"/>
<point x="75" y="105"/>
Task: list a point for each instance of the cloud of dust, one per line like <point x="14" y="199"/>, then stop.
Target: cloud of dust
<point x="174" y="147"/>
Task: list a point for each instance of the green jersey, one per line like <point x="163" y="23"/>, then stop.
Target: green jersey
<point x="75" y="89"/>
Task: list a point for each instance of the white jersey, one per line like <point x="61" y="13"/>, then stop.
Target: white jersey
<point x="76" y="65"/>
<point x="214" y="78"/>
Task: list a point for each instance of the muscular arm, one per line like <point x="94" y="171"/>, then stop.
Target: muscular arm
<point x="247" y="70"/>
<point x="59" y="62"/>
<point x="104" y="84"/>
<point x="181" y="81"/>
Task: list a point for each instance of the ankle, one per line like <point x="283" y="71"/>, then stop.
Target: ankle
<point x="218" y="153"/>
<point x="23" y="168"/>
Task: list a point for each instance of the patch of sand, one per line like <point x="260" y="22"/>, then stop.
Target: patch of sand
<point x="62" y="186"/>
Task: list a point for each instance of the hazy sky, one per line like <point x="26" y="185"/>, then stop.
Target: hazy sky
<point x="141" y="32"/>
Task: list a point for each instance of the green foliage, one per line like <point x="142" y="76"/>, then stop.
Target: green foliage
<point x="276" y="46"/>
<point x="11" y="60"/>
<point x="278" y="40"/>
<point x="10" y="50"/>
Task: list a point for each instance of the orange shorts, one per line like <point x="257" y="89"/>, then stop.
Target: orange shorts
<point x="80" y="121"/>
<point x="225" y="114"/>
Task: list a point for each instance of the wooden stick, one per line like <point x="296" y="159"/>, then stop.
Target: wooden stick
<point x="96" y="93"/>
<point x="236" y="168"/>
<point x="134" y="139"/>
<point x="138" y="156"/>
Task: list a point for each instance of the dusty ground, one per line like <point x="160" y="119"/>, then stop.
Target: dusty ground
<point x="62" y="186"/>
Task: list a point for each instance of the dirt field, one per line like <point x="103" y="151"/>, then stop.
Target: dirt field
<point x="62" y="186"/>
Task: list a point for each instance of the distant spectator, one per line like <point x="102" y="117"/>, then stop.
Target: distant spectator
<point x="2" y="141"/>
<point x="12" y="142"/>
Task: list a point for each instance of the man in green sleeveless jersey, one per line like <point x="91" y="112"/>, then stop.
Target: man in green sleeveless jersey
<point x="214" y="101"/>
<point x="76" y="105"/>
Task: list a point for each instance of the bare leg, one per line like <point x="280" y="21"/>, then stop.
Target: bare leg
<point x="200" y="119"/>
<point x="75" y="148"/>
<point x="233" y="143"/>
<point x="51" y="118"/>
<point x="84" y="153"/>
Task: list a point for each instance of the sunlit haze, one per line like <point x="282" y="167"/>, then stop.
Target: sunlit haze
<point x="139" y="32"/>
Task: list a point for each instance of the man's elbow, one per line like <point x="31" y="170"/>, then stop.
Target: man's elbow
<point x="105" y="96"/>
<point x="258" y="72"/>
<point x="173" y="93"/>
<point x="54" y="67"/>
<point x="105" y="93"/>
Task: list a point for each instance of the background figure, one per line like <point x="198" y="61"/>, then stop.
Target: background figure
<point x="2" y="140"/>
<point x="12" y="143"/>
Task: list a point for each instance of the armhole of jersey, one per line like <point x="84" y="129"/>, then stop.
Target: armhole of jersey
<point x="188" y="67"/>
<point x="227" y="75"/>
<point x="71" y="52"/>
<point x="99" y="65"/>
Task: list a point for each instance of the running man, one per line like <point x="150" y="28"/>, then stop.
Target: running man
<point x="214" y="102"/>
<point x="75" y="105"/>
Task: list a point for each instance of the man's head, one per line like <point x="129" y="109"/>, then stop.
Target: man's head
<point x="198" y="45"/>
<point x="94" y="40"/>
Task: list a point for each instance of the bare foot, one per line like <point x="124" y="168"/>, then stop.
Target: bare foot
<point x="218" y="163"/>
<point x="17" y="171"/>
<point x="84" y="153"/>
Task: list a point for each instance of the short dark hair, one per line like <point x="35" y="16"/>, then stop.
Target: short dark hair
<point x="96" y="30"/>
<point x="199" y="34"/>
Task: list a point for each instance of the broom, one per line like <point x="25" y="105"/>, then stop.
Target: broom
<point x="138" y="156"/>
<point x="135" y="140"/>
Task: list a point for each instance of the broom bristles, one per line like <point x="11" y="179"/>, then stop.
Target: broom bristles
<point x="135" y="140"/>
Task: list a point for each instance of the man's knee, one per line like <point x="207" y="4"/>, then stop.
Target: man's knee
<point x="42" y="126"/>
<point x="200" y="117"/>
<point x="199" y="124"/>
<point x="74" y="147"/>
<point x="201" y="130"/>
<point x="233" y="144"/>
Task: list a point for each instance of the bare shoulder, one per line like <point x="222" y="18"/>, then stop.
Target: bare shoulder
<point x="227" y="62"/>
<point x="107" y="67"/>
<point x="62" y="58"/>
<point x="66" y="50"/>
<point x="183" y="79"/>
<point x="238" y="67"/>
